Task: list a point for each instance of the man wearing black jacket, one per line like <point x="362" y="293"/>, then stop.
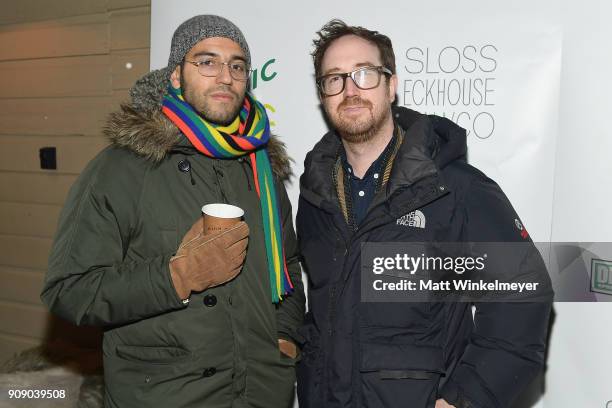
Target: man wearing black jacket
<point x="388" y="174"/>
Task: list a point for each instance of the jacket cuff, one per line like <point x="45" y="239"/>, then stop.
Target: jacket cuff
<point x="464" y="390"/>
<point x="452" y="394"/>
<point x="170" y="294"/>
<point x="286" y="333"/>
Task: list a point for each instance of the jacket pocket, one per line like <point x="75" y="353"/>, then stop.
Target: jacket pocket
<point x="399" y="375"/>
<point x="152" y="355"/>
<point x="414" y="317"/>
<point x="137" y="376"/>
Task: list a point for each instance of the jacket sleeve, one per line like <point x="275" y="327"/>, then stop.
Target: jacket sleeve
<point x="507" y="346"/>
<point x="290" y="311"/>
<point x="89" y="281"/>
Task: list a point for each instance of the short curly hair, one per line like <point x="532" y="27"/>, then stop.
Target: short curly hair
<point x="335" y="29"/>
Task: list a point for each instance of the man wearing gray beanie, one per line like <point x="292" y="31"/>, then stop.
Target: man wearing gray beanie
<point x="194" y="314"/>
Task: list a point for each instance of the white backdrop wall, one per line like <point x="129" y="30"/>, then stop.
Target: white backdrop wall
<point x="528" y="82"/>
<point x="580" y="367"/>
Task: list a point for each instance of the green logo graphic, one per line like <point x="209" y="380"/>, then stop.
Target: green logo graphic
<point x="601" y="276"/>
<point x="265" y="73"/>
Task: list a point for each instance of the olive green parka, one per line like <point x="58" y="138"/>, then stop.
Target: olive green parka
<point x="122" y="221"/>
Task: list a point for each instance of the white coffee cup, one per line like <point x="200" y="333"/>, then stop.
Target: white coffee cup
<point x="220" y="217"/>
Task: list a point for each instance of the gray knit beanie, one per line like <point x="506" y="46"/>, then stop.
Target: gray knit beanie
<point x="148" y="92"/>
<point x="199" y="28"/>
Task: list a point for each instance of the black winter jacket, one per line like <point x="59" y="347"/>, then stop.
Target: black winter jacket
<point x="392" y="355"/>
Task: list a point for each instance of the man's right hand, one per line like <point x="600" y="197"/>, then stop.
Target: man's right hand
<point x="203" y="261"/>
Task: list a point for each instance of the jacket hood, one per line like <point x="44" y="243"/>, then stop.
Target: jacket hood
<point x="431" y="143"/>
<point x="444" y="141"/>
<point x="150" y="134"/>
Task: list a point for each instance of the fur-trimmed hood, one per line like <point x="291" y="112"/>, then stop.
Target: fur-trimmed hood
<point x="150" y="134"/>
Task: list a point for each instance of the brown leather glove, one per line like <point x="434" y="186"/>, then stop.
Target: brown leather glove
<point x="203" y="261"/>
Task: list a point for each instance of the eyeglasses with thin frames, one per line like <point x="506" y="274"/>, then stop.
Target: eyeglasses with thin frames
<point x="364" y="78"/>
<point x="211" y="68"/>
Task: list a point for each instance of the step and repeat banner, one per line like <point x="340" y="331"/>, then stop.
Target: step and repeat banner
<point x="515" y="76"/>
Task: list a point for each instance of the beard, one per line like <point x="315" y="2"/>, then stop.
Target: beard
<point x="218" y="113"/>
<point x="358" y="130"/>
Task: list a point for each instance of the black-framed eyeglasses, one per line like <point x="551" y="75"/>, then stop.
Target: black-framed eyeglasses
<point x="364" y="78"/>
<point x="238" y="70"/>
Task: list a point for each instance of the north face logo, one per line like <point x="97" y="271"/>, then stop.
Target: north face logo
<point x="413" y="219"/>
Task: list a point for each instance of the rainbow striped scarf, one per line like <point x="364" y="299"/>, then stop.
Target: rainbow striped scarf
<point x="248" y="134"/>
